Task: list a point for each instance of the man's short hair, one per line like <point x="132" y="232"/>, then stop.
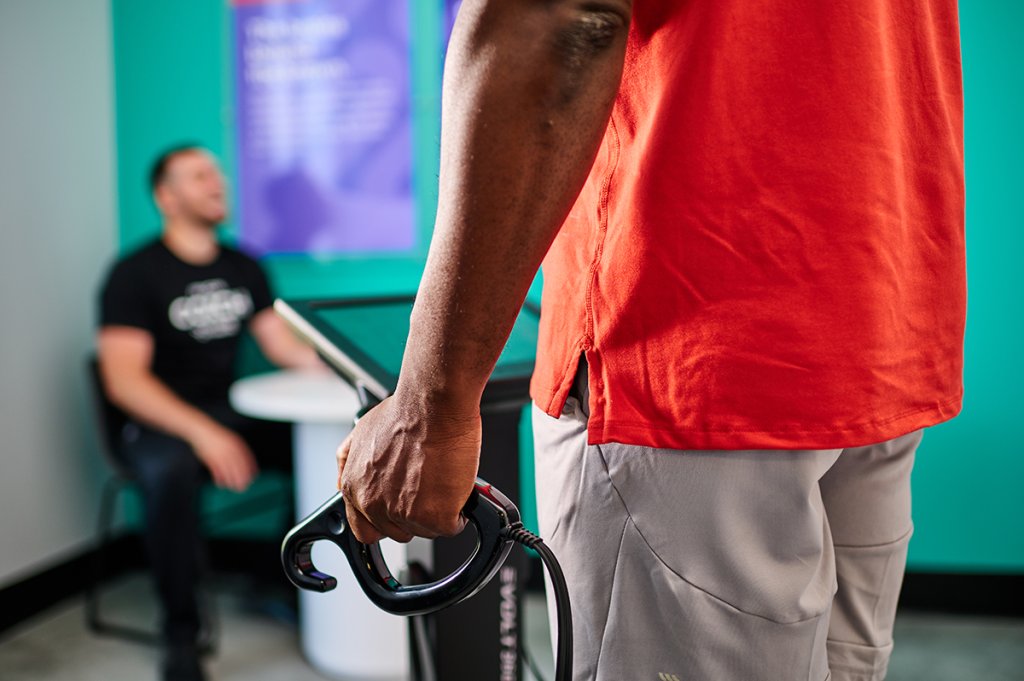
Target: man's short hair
<point x="158" y="171"/>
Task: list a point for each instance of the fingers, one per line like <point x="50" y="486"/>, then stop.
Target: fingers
<point x="370" y="526"/>
<point x="222" y="472"/>
<point x="372" y="516"/>
<point x="217" y="475"/>
<point x="227" y="477"/>
<point x="250" y="469"/>
<point x="397" y="483"/>
<point x="233" y="468"/>
<point x="368" y="533"/>
<point x="448" y="527"/>
<point x="242" y="468"/>
<point x="378" y="521"/>
<point x="361" y="527"/>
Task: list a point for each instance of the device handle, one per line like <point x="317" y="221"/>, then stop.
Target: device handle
<point x="487" y="510"/>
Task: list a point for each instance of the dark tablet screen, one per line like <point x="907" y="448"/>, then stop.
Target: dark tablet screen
<point x="372" y="333"/>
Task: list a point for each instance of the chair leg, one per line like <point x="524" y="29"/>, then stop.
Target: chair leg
<point x="209" y="631"/>
<point x="209" y="625"/>
<point x="93" y="618"/>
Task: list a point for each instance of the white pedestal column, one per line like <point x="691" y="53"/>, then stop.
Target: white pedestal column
<point x="343" y="634"/>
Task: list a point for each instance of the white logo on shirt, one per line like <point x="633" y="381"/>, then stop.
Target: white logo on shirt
<point x="210" y="310"/>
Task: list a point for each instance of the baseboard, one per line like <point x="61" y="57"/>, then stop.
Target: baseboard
<point x="43" y="590"/>
<point x="258" y="558"/>
<point x="963" y="594"/>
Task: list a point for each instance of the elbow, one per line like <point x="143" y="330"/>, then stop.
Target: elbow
<point x="116" y="391"/>
<point x="590" y="33"/>
<point x="592" y="28"/>
<point x="118" y="385"/>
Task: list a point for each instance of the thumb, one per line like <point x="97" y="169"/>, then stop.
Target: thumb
<point x="342" y="457"/>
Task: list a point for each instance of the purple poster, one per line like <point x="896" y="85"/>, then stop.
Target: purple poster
<point x="451" y="10"/>
<point x="324" y="130"/>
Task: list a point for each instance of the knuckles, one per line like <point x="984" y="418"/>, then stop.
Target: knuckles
<point x="410" y="517"/>
<point x="382" y="482"/>
<point x="435" y="521"/>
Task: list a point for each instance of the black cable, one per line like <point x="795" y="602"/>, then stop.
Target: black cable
<point x="422" y="641"/>
<point x="563" y="649"/>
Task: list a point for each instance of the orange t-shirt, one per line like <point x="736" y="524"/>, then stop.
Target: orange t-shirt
<point x="769" y="250"/>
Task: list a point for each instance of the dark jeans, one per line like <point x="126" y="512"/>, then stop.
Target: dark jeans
<point x="171" y="477"/>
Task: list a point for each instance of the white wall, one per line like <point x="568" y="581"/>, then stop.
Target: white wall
<point x="57" y="234"/>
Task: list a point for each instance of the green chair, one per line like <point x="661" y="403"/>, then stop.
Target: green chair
<point x="110" y="421"/>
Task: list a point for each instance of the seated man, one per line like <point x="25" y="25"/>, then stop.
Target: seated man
<point x="172" y="314"/>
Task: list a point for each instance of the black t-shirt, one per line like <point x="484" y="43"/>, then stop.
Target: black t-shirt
<point x="196" y="313"/>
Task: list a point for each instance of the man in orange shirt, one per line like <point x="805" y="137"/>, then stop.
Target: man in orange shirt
<point x="751" y="221"/>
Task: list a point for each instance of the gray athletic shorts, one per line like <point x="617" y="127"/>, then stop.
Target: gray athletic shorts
<point x="724" y="566"/>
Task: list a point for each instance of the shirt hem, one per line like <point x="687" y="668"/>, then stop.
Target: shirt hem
<point x="840" y="437"/>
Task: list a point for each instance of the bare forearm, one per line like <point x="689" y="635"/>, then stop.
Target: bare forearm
<point x="148" y="400"/>
<point x="296" y="356"/>
<point x="528" y="89"/>
<point x="280" y="345"/>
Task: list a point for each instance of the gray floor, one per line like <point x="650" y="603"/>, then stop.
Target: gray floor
<point x="55" y="645"/>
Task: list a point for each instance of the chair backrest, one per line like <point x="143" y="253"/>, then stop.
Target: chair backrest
<point x="110" y="420"/>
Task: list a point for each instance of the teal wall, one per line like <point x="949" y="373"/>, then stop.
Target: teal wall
<point x="173" y="79"/>
<point x="172" y="64"/>
<point x="969" y="504"/>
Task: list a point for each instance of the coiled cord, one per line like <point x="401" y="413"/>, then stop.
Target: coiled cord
<point x="563" y="649"/>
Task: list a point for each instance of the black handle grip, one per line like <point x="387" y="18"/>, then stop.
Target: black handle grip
<point x="487" y="510"/>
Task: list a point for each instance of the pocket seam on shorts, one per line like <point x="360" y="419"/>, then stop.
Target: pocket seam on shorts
<point x="608" y="606"/>
<point x="640" y="533"/>
<point x="902" y="539"/>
